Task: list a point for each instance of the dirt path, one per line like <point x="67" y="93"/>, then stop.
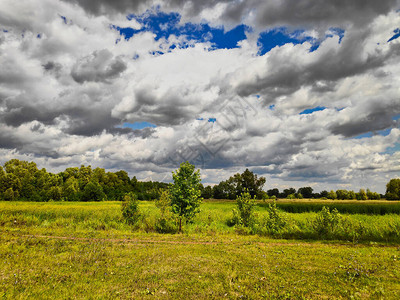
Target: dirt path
<point x="138" y="241"/>
<point x="225" y="242"/>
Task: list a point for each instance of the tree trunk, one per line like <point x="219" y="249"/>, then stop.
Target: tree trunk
<point x="180" y="224"/>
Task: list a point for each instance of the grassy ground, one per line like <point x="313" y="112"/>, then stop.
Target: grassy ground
<point x="84" y="250"/>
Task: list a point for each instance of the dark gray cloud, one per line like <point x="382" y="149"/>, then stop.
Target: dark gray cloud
<point x="52" y="68"/>
<point x="308" y="13"/>
<point x="303" y="13"/>
<point x="378" y="116"/>
<point x="110" y="6"/>
<point x="99" y="66"/>
<point x="15" y="116"/>
<point x="288" y="74"/>
<point x="9" y="141"/>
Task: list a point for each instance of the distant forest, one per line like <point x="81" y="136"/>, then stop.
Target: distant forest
<point x="23" y="181"/>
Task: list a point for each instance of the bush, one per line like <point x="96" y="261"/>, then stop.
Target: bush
<point x="275" y="220"/>
<point x="245" y="213"/>
<point x="327" y="221"/>
<point x="166" y="223"/>
<point x="130" y="209"/>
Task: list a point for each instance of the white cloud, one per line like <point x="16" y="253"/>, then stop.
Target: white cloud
<point x="65" y="93"/>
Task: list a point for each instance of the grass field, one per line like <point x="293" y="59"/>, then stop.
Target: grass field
<point x="84" y="250"/>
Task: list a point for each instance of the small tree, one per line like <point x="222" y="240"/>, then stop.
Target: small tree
<point x="245" y="206"/>
<point x="130" y="208"/>
<point x="185" y="192"/>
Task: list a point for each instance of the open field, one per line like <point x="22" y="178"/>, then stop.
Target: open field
<point x="84" y="250"/>
<point x="371" y="207"/>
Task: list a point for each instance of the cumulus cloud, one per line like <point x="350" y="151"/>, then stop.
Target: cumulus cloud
<point x="72" y="89"/>
<point x="99" y="66"/>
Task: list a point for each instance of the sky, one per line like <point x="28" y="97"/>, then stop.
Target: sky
<point x="304" y="93"/>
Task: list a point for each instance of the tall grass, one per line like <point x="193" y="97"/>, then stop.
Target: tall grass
<point x="105" y="218"/>
<point x="353" y="207"/>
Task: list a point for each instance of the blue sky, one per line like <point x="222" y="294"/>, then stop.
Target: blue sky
<point x="163" y="25"/>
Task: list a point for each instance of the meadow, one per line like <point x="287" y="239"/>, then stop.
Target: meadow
<point x="86" y="250"/>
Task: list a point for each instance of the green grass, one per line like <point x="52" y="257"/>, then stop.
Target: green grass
<point x="242" y="267"/>
<point x="380" y="207"/>
<point x="85" y="250"/>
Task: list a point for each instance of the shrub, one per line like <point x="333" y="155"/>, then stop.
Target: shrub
<point x="166" y="223"/>
<point x="130" y="208"/>
<point x="275" y="220"/>
<point x="164" y="202"/>
<point x="245" y="205"/>
<point x="327" y="221"/>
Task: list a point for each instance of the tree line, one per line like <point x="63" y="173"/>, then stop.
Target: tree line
<point x="22" y="180"/>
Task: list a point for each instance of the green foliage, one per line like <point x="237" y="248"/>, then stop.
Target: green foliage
<point x="185" y="192"/>
<point x="275" y="220"/>
<point x="342" y="194"/>
<point x="74" y="184"/>
<point x="245" y="213"/>
<point x="9" y="195"/>
<point x="166" y="222"/>
<point x="237" y="184"/>
<point x="130" y="209"/>
<point x="306" y="192"/>
<point x="327" y="221"/>
<point x="373" y="195"/>
<point x="361" y="195"/>
<point x="332" y="195"/>
<point x="393" y="189"/>
<point x="93" y="192"/>
<point x="207" y="192"/>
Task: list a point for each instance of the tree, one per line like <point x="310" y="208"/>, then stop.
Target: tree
<point x="185" y="192"/>
<point x="287" y="192"/>
<point x="207" y="192"/>
<point x="342" y="194"/>
<point x="71" y="189"/>
<point x="393" y="189"/>
<point x="249" y="182"/>
<point x="307" y="191"/>
<point x="324" y="194"/>
<point x="273" y="192"/>
<point x="332" y="195"/>
<point x="362" y="195"/>
<point x="93" y="192"/>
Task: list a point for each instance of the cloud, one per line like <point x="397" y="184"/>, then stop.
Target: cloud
<point x="69" y="82"/>
<point x="99" y="66"/>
